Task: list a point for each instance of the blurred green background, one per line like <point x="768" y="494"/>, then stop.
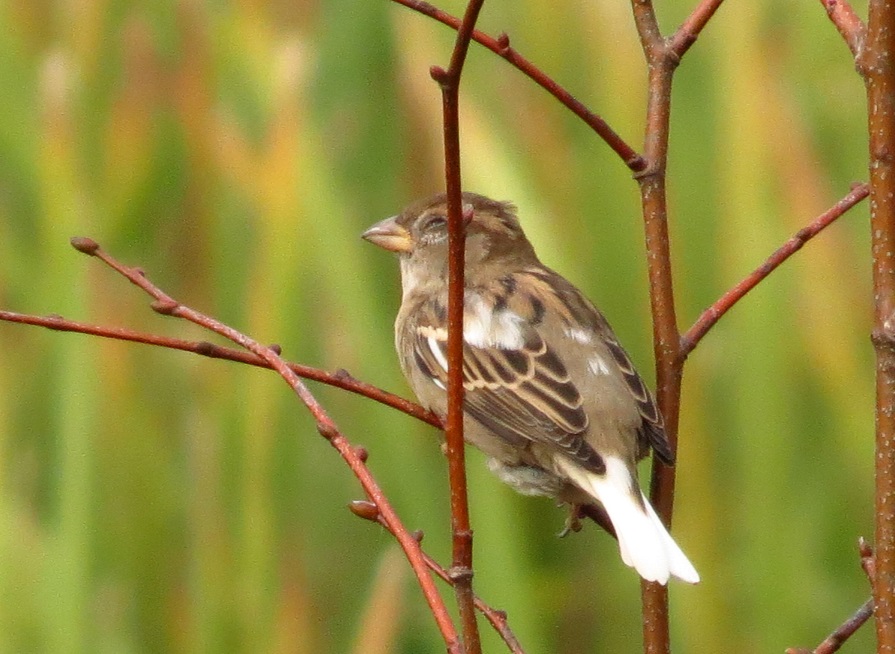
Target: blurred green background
<point x="155" y="501"/>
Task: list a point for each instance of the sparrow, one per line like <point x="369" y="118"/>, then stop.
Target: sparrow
<point x="551" y="397"/>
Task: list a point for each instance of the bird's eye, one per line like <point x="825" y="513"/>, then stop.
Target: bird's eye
<point x="434" y="223"/>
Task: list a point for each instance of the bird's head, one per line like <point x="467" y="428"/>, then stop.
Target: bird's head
<point x="419" y="234"/>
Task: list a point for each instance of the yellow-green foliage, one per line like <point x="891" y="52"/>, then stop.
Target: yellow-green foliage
<point x="154" y="501"/>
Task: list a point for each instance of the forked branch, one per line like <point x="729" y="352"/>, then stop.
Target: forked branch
<point x="339" y="379"/>
<point x="498" y="619"/>
<point x="355" y="457"/>
<point x="501" y="47"/>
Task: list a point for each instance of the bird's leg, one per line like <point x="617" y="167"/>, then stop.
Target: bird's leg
<point x="573" y="521"/>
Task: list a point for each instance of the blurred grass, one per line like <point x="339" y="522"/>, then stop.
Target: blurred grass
<point x="153" y="501"/>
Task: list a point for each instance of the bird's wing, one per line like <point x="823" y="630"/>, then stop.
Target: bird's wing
<point x="520" y="393"/>
<point x="568" y="301"/>
<point x="652" y="428"/>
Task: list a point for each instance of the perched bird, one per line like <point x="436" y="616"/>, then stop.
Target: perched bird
<point x="550" y="396"/>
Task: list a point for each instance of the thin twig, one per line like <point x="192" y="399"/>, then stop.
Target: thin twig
<point x="689" y="31"/>
<point x="849" y="24"/>
<point x="647" y="28"/>
<point x="835" y="640"/>
<point x="843" y="632"/>
<point x="722" y="305"/>
<point x="501" y="47"/>
<point x="340" y="378"/>
<point x="461" y="568"/>
<point x="498" y="619"/>
<point x="164" y="304"/>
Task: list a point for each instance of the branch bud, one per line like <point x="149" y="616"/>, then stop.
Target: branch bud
<point x="165" y="307"/>
<point x="84" y="245"/>
<point x="503" y="41"/>
<point x="439" y="74"/>
<point x="364" y="509"/>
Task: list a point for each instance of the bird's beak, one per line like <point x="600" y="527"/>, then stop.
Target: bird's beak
<point x="389" y="235"/>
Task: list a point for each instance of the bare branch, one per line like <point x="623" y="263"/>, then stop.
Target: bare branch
<point x="689" y="31"/>
<point x="846" y="630"/>
<point x="501" y="47"/>
<point x="498" y="619"/>
<point x="354" y="457"/>
<point x="837" y="639"/>
<point x="340" y="378"/>
<point x="661" y="63"/>
<point x="710" y="316"/>
<point x="876" y="62"/>
<point x="461" y="569"/>
<point x="647" y="27"/>
<point x="849" y="24"/>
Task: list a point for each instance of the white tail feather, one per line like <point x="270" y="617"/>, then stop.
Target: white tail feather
<point x="643" y="541"/>
<point x="678" y="563"/>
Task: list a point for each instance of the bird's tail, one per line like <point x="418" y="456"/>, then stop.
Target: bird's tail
<point x="644" y="542"/>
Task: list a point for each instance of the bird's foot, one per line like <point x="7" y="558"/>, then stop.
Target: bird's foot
<point x="573" y="521"/>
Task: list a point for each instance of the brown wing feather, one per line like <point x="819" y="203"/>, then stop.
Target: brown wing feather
<point x="652" y="429"/>
<point x="578" y="310"/>
<point x="522" y="395"/>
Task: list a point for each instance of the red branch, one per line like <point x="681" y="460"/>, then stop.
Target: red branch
<point x="340" y="378"/>
<point x="461" y="568"/>
<point x="498" y="619"/>
<point x="662" y="58"/>
<point x="849" y="24"/>
<point x="876" y="62"/>
<point x="722" y="305"/>
<point x="690" y="29"/>
<point x="354" y="457"/>
<point x="501" y="47"/>
<point x="661" y="63"/>
<point x="847" y="629"/>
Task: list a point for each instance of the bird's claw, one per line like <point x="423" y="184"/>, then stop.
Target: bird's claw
<point x="573" y="522"/>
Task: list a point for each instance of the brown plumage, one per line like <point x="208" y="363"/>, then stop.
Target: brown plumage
<point x="551" y="396"/>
